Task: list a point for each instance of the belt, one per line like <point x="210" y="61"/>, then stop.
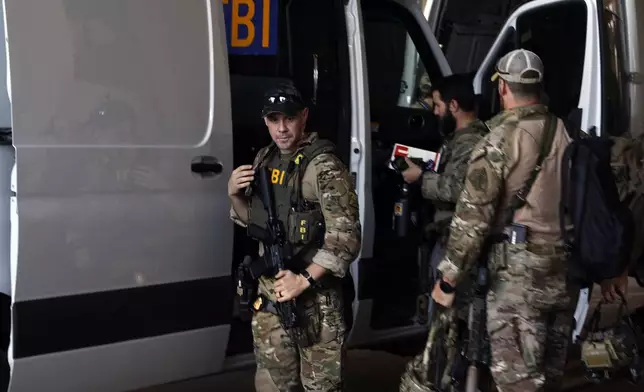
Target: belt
<point x="545" y="249"/>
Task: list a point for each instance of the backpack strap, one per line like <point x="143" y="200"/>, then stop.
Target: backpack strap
<point x="519" y="199"/>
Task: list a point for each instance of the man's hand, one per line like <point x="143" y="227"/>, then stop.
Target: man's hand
<point x="413" y="172"/>
<point x="611" y="287"/>
<point x="441" y="297"/>
<point x="289" y="285"/>
<point x="240" y="178"/>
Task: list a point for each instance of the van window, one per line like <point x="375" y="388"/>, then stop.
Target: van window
<point x="489" y="101"/>
<point x="399" y="61"/>
<point x="557" y="33"/>
<point x="106" y="81"/>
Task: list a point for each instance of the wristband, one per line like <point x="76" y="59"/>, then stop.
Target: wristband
<point x="446" y="287"/>
<point x="429" y="166"/>
<point x="308" y="277"/>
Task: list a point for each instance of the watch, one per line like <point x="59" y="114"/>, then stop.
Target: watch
<point x="446" y="287"/>
<point x="308" y="277"/>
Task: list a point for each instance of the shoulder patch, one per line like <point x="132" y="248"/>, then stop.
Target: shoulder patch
<point x="478" y="179"/>
<point x="482" y="182"/>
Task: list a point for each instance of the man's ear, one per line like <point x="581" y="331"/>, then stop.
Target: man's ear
<point x="503" y="87"/>
<point x="305" y="114"/>
<point x="453" y="106"/>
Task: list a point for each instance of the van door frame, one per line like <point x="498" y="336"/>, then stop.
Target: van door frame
<point x="131" y="357"/>
<point x="361" y="157"/>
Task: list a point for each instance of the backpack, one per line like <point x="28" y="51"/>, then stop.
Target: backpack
<point x="601" y="240"/>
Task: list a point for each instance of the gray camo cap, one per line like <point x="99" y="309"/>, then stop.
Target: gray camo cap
<point x="519" y="66"/>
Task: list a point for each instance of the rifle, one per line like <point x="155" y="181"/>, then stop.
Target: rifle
<point x="431" y="362"/>
<point x="276" y="249"/>
<point x="477" y="325"/>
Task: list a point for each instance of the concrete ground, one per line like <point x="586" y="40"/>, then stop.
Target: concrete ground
<point x="376" y="370"/>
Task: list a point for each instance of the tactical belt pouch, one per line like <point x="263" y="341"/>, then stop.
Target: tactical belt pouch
<point x="262" y="304"/>
<point x="513" y="238"/>
<point x="612" y="352"/>
<point x="246" y="294"/>
<point x="305" y="227"/>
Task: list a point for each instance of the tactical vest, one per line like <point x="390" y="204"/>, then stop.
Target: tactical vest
<point x="302" y="219"/>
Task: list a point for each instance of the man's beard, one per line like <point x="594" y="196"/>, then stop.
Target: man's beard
<point x="447" y="124"/>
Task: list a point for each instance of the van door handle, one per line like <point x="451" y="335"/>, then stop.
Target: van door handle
<point x="206" y="166"/>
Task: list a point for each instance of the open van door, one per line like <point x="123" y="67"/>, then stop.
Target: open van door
<point x="566" y="35"/>
<point x="123" y="136"/>
<point x="393" y="53"/>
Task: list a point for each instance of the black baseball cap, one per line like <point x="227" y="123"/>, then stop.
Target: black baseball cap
<point x="283" y="99"/>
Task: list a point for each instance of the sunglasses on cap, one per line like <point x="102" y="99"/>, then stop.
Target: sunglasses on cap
<point x="281" y="98"/>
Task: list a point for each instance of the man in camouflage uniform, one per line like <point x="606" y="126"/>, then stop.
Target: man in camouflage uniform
<point x="627" y="162"/>
<point x="530" y="303"/>
<point x="313" y="192"/>
<point x="455" y="105"/>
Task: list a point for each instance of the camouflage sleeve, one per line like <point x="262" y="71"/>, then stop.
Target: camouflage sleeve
<point x="626" y="163"/>
<point x="339" y="203"/>
<point x="475" y="209"/>
<point x="235" y="218"/>
<point x="448" y="185"/>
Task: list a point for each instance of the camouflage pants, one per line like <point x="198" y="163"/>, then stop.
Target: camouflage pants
<point x="283" y="366"/>
<point x="530" y="317"/>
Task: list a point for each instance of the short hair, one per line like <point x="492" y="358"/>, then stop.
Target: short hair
<point x="457" y="87"/>
<point x="525" y="91"/>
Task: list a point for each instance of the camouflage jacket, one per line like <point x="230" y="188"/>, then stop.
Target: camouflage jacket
<point x="476" y="209"/>
<point x="327" y="181"/>
<point x="447" y="185"/>
<point x="627" y="163"/>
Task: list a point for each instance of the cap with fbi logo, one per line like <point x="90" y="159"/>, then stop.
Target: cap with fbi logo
<point x="283" y="99"/>
<point x="519" y="66"/>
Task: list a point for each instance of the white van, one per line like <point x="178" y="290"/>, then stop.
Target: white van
<point x="128" y="117"/>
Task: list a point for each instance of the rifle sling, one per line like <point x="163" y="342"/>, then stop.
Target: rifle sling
<point x="519" y="199"/>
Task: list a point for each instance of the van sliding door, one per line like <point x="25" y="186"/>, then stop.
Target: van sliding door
<point x="121" y="116"/>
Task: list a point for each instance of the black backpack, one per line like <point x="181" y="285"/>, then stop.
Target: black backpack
<point x="602" y="236"/>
